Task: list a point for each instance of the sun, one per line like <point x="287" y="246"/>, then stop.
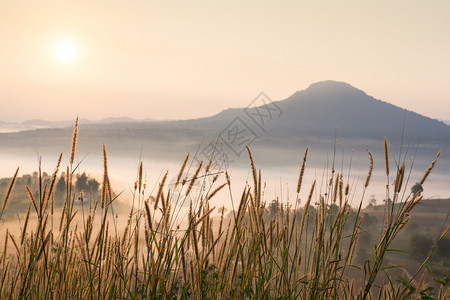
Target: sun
<point x="66" y="50"/>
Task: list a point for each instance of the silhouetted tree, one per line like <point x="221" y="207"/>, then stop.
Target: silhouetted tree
<point x="61" y="185"/>
<point x="93" y="186"/>
<point x="81" y="184"/>
<point x="274" y="206"/>
<point x="372" y="202"/>
<point x="27" y="179"/>
<point x="417" y="188"/>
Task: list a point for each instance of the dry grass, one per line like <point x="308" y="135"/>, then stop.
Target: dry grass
<point x="257" y="252"/>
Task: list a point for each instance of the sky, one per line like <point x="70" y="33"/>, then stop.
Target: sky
<point x="188" y="59"/>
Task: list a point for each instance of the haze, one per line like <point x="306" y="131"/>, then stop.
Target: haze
<point x="178" y="60"/>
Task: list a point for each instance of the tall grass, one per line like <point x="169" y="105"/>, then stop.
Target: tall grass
<point x="259" y="252"/>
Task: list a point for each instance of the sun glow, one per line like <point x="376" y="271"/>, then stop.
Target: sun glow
<point x="66" y="50"/>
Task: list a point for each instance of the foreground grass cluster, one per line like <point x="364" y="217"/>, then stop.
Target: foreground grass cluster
<point x="292" y="252"/>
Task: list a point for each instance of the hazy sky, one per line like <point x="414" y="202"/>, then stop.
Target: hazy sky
<point x="183" y="59"/>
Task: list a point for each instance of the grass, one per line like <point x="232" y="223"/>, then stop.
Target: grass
<point x="257" y="251"/>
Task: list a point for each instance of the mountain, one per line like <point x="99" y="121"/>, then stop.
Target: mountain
<point x="308" y="117"/>
<point x="44" y="124"/>
<point x="355" y="114"/>
<point x="324" y="106"/>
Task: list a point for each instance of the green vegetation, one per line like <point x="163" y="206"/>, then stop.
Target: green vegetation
<point x="258" y="251"/>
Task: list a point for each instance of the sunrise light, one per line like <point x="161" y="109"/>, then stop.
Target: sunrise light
<point x="66" y="50"/>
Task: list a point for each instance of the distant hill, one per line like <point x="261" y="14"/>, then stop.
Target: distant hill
<point x="44" y="124"/>
<point x="308" y="117"/>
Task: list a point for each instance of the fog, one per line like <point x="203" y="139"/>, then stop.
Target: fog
<point x="279" y="181"/>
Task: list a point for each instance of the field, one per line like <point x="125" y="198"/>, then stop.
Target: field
<point x="75" y="240"/>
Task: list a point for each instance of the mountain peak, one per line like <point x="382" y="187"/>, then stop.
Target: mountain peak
<point x="329" y="87"/>
<point x="330" y="84"/>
